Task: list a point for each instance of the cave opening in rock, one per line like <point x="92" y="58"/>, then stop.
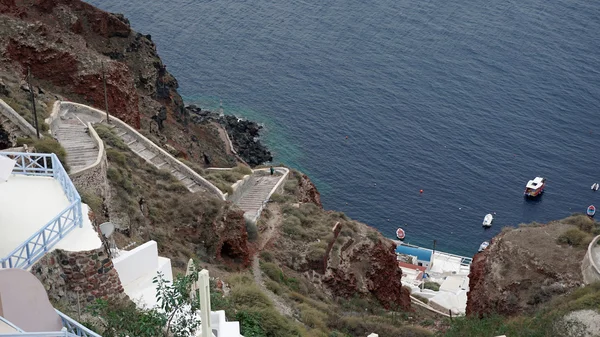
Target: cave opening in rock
<point x="228" y="252"/>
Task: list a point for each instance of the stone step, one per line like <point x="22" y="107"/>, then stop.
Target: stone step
<point x="187" y="181"/>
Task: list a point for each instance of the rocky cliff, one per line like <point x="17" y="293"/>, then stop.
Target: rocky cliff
<point x="524" y="268"/>
<point x="69" y="46"/>
<point x="344" y="258"/>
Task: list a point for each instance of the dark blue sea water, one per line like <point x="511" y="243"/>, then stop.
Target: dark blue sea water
<point x="465" y="99"/>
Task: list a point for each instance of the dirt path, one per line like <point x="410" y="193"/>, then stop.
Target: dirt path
<point x="270" y="230"/>
<point x="223" y="136"/>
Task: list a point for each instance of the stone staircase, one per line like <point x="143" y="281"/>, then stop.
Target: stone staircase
<point x="153" y="157"/>
<point x="74" y="136"/>
<point x="260" y="186"/>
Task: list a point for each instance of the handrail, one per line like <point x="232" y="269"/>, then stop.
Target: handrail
<point x="32" y="249"/>
<point x="7" y="322"/>
<point x="167" y="156"/>
<point x="75" y="328"/>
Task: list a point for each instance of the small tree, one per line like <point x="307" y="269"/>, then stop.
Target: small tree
<point x="175" y="301"/>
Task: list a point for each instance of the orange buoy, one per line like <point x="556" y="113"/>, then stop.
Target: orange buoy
<point x="400" y="233"/>
<point x="420" y="191"/>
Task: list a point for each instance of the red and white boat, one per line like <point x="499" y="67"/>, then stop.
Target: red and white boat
<point x="400" y="233"/>
<point x="535" y="187"/>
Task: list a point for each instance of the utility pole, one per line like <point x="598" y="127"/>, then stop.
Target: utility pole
<point x="433" y="254"/>
<point x="105" y="96"/>
<point x="35" y="120"/>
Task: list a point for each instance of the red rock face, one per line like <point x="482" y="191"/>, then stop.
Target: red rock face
<point x="369" y="268"/>
<point x="383" y="277"/>
<point x="522" y="269"/>
<point x="233" y="243"/>
<point x="477" y="296"/>
<point x="309" y="192"/>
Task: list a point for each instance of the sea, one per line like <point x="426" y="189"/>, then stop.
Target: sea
<point x="377" y="100"/>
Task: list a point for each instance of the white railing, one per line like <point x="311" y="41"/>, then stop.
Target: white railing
<point x="47" y="165"/>
<point x="71" y="328"/>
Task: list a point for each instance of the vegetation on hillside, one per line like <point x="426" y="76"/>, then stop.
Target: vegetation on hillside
<point x="151" y="204"/>
<point x="548" y="321"/>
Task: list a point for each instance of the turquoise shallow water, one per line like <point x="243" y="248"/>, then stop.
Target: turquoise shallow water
<point x="467" y="100"/>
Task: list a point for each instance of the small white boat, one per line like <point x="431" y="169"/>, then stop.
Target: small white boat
<point x="487" y="220"/>
<point x="595" y="186"/>
<point x="483" y="246"/>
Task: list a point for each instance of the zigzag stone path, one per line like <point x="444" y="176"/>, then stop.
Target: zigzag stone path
<point x="71" y="131"/>
<point x="155" y="159"/>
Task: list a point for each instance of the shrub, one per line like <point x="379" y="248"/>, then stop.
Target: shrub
<point x="252" y="230"/>
<point x="272" y="271"/>
<point x="316" y="251"/>
<point x="242" y="170"/>
<point x="47" y="145"/>
<point x="249" y="295"/>
<point x="312" y="317"/>
<point x="582" y="221"/>
<point x="373" y="236"/>
<point x="116" y="156"/>
<point x="109" y="137"/>
<point x="432" y="286"/>
<point x="274" y="287"/>
<point x="421" y="298"/>
<point x="574" y="237"/>
<point x="290" y="186"/>
<point x="92" y="200"/>
<point x="266" y="256"/>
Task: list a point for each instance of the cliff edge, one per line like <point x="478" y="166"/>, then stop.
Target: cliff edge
<point x="525" y="267"/>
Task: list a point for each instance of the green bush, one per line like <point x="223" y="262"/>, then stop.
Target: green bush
<point x="242" y="170"/>
<point x="249" y="295"/>
<point x="252" y="230"/>
<point x="574" y="237"/>
<point x="432" y="286"/>
<point x="266" y="256"/>
<point x="316" y="251"/>
<point x="109" y="137"/>
<point x="274" y="287"/>
<point x="272" y="271"/>
<point x="46" y="145"/>
<point x="92" y="200"/>
<point x="582" y="221"/>
<point x="312" y="317"/>
<point x="117" y="156"/>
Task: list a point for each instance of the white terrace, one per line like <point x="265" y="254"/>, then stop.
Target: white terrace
<point x="39" y="207"/>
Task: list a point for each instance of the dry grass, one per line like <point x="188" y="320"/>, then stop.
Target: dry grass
<point x="171" y="215"/>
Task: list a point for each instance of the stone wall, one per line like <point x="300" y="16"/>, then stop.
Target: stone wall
<point x="154" y="148"/>
<point x="91" y="273"/>
<point x="19" y="121"/>
<point x="589" y="269"/>
<point x="92" y="179"/>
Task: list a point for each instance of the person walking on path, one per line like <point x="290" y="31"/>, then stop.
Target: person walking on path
<point x="272" y="170"/>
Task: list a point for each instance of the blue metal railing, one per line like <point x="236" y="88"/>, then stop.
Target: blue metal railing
<point x="71" y="328"/>
<point x="47" y="165"/>
<point x="75" y="328"/>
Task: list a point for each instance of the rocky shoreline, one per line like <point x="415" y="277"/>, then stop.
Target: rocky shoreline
<point x="244" y="134"/>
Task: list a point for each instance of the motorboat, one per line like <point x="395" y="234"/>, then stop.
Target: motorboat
<point x="483" y="246"/>
<point x="595" y="186"/>
<point x="400" y="234"/>
<point x="591" y="210"/>
<point x="487" y="220"/>
<point x="535" y="187"/>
